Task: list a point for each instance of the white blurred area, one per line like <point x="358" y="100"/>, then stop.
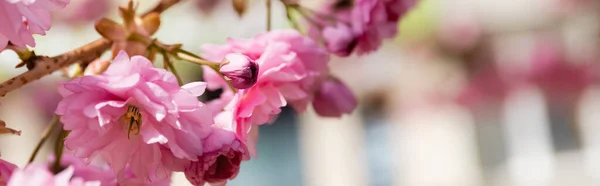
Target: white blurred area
<point x="412" y="140"/>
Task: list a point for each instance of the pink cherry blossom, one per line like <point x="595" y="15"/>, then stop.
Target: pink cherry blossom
<point x="100" y="171"/>
<point x="291" y="66"/>
<point x="6" y="170"/>
<point x="38" y="174"/>
<point x="223" y="154"/>
<point x="359" y="29"/>
<point x="85" y="11"/>
<point x="130" y="179"/>
<point x="135" y="114"/>
<point x="22" y="18"/>
<point x="334" y="99"/>
<point x="376" y="20"/>
<point x="340" y="39"/>
<point x="90" y="172"/>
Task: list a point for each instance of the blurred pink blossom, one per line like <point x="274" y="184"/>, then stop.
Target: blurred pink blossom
<point x="561" y="80"/>
<point x="38" y="174"/>
<point x="135" y="114"/>
<point x="340" y="39"/>
<point x="376" y="20"/>
<point x="22" y="18"/>
<point x="334" y="99"/>
<point x="359" y="29"/>
<point x="6" y="170"/>
<point x="90" y="172"/>
<point x="486" y="86"/>
<point x="85" y="11"/>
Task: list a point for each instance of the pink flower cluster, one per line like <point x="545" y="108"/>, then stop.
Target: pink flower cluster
<point x="360" y="28"/>
<point x="138" y="119"/>
<point x="143" y="125"/>
<point x="135" y="115"/>
<point x="75" y="173"/>
<point x="292" y="69"/>
<point x="22" y="18"/>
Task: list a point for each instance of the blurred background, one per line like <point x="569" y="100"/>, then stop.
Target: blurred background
<point x="470" y="93"/>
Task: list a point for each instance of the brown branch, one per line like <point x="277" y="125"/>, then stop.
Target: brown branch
<point x="162" y="6"/>
<point x="46" y="65"/>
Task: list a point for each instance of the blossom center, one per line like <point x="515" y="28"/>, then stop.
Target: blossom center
<point x="134" y="119"/>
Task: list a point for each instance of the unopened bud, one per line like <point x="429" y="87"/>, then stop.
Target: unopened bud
<point x="333" y="99"/>
<point x="340" y="39"/>
<point x="241" y="71"/>
<point x="240" y="6"/>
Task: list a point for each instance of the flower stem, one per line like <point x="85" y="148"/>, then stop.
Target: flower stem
<point x="58" y="150"/>
<point x="45" y="137"/>
<point x="169" y="64"/>
<point x="268" y="15"/>
<point x="191" y="57"/>
<point x="288" y="13"/>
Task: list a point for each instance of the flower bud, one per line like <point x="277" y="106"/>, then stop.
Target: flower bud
<point x="240" y="6"/>
<point x="340" y="39"/>
<point x="334" y="99"/>
<point x="240" y="71"/>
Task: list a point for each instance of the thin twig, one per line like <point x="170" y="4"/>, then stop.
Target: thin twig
<point x="268" y="15"/>
<point x="161" y="7"/>
<point x="45" y="137"/>
<point x="58" y="150"/>
<point x="46" y="65"/>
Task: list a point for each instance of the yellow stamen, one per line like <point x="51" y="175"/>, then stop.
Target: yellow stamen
<point x="134" y="118"/>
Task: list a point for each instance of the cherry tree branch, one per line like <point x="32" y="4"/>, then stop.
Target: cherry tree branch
<point x="45" y="137"/>
<point x="44" y="65"/>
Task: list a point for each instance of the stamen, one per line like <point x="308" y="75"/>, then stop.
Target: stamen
<point x="134" y="117"/>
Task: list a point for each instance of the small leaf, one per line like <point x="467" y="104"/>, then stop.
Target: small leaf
<point x="110" y="29"/>
<point x="240" y="6"/>
<point x="151" y="23"/>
